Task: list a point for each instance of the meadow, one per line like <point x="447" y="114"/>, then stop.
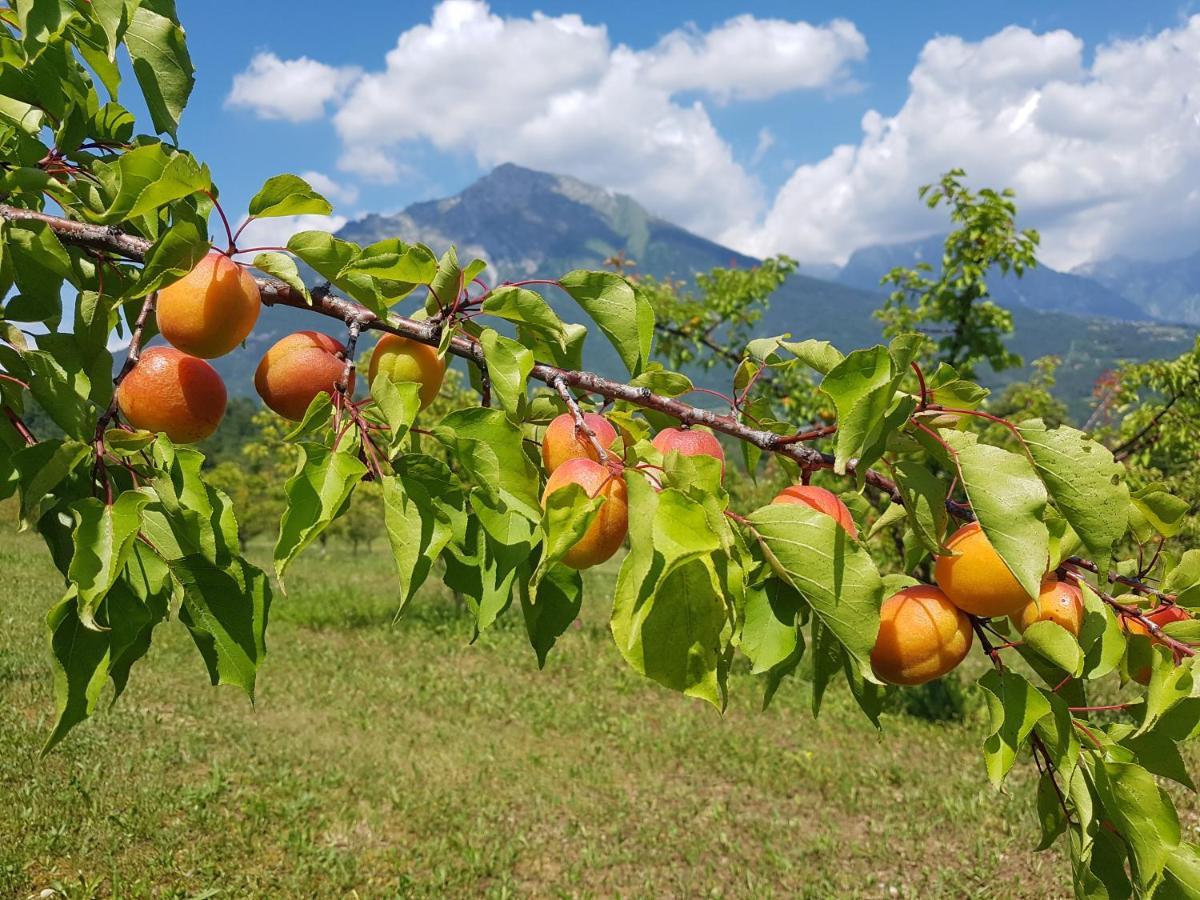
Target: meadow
<point x="385" y="759"/>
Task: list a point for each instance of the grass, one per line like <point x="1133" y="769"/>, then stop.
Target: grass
<point x="401" y="761"/>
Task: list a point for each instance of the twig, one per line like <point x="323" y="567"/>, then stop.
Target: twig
<point x="1134" y="584"/>
<point x="22" y="429"/>
<point x="581" y="425"/>
<point x="1179" y="648"/>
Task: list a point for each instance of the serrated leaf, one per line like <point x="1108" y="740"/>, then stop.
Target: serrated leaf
<point x="626" y="320"/>
<point x="491" y="449"/>
<point x="174" y="254"/>
<point x="1184" y="579"/>
<point x="1159" y="512"/>
<point x="1056" y="645"/>
<point x="836" y="575"/>
<point x="158" y="51"/>
<point x="418" y="504"/>
<point x="560" y="597"/>
<point x="103" y="537"/>
<point x="924" y="497"/>
<point x="1051" y="816"/>
<point x="79" y="658"/>
<point x="141" y="180"/>
<point x="288" y="195"/>
<point x="1086" y="483"/>
<point x="1009" y="500"/>
<point x="820" y="356"/>
<point x="509" y="364"/>
<point x="41" y="468"/>
<point x="315" y="494"/>
<point x="861" y="387"/>
<point x="1100" y="636"/>
<point x="1142" y="814"/>
<point x="225" y="608"/>
<point x="770" y="634"/>
<point x="1014" y="707"/>
<point x="528" y="308"/>
<point x="283" y="267"/>
<point x="398" y="402"/>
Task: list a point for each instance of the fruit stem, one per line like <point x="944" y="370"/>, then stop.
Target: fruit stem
<point x="232" y="249"/>
<point x="581" y="425"/>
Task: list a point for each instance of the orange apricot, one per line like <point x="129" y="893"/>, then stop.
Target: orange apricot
<point x="606" y="533"/>
<point x="211" y="309"/>
<point x="822" y="500"/>
<point x="689" y="442"/>
<point x="168" y="391"/>
<point x="296" y="369"/>
<point x="976" y="579"/>
<point x="408" y="360"/>
<point x="562" y="441"/>
<point x="922" y="636"/>
<point x="1059" y="602"/>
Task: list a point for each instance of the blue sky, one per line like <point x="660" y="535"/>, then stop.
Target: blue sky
<point x="729" y="127"/>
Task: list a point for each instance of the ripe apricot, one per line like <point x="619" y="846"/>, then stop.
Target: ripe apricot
<point x="169" y="391"/>
<point x="408" y="360"/>
<point x="211" y="309"/>
<point x="562" y="441"/>
<point x="1059" y="602"/>
<point x="922" y="636"/>
<point x="296" y="369"/>
<point x="689" y="442"/>
<point x="1161" y="617"/>
<point x="604" y="536"/>
<point x="820" y="499"/>
<point x="976" y="579"/>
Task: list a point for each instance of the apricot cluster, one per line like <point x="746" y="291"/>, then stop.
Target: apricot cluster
<point x="208" y="313"/>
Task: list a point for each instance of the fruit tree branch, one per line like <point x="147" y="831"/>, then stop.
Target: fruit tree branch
<point x="581" y="425"/>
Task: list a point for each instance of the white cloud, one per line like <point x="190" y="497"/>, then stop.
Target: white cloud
<point x="275" y="232"/>
<point x="553" y="92"/>
<point x="293" y="89"/>
<point x="766" y="140"/>
<point x="751" y="58"/>
<point x="1104" y="158"/>
<point x="333" y="191"/>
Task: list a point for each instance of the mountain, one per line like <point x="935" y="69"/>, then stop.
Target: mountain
<point x="1164" y="290"/>
<point x="533" y="224"/>
<point x="1042" y="288"/>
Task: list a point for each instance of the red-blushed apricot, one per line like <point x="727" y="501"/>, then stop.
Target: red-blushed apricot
<point x="408" y="360"/>
<point x="976" y="579"/>
<point x="689" y="442"/>
<point x="168" y="391"/>
<point x="211" y="309"/>
<point x="1059" y="602"/>
<point x="562" y="441"/>
<point x="922" y="636"/>
<point x="604" y="536"/>
<point x="296" y="369"/>
<point x="1161" y="617"/>
<point x="820" y="499"/>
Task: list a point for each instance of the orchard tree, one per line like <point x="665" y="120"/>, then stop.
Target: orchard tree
<point x="1029" y="544"/>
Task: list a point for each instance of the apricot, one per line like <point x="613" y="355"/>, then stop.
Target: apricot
<point x="1161" y="617"/>
<point x="606" y="533"/>
<point x="408" y="360"/>
<point x="822" y="500"/>
<point x="168" y="391"/>
<point x="298" y="368"/>
<point x="976" y="579"/>
<point x="211" y="309"/>
<point x="689" y="442"/>
<point x="922" y="636"/>
<point x="1058" y="601"/>
<point x="562" y="441"/>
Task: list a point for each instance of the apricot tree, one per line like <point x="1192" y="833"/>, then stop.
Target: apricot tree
<point x="795" y="588"/>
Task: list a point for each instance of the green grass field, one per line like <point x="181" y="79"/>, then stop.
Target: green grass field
<point x="402" y="761"/>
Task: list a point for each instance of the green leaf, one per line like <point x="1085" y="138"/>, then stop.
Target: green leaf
<point x="190" y="516"/>
<point x="1010" y="500"/>
<point x="1156" y="509"/>
<point x="60" y="391"/>
<point x="174" y="254"/>
<point x="810" y="551"/>
<point x="662" y="382"/>
<point x="1014" y="706"/>
<point x="820" y="356"/>
<point x="412" y="265"/>
<point x="283" y="267"/>
<point x="626" y="320"/>
<point x="146" y="178"/>
<point x="79" y="658"/>
<point x="770" y="630"/>
<point x="1056" y="645"/>
<point x="509" y="364"/>
<point x="1181" y="878"/>
<point x="103" y="537"/>
<point x="1184" y="579"/>
<point x="924" y="497"/>
<point x="225" y="609"/>
<point x="528" y="308"/>
<point x="491" y="449"/>
<point x="568" y="514"/>
<point x="158" y="50"/>
<point x="482" y="570"/>
<point x="419" y="507"/>
<point x="1159" y="754"/>
<point x="398" y="402"/>
<point x="1169" y="684"/>
<point x="315" y="495"/>
<point x="41" y="468"/>
<point x="559" y="598"/>
<point x="1086" y="483"/>
<point x="861" y="387"/>
<point x="1100" y="636"/>
<point x="1051" y="817"/>
<point x="288" y="195"/>
<point x="1143" y="814"/>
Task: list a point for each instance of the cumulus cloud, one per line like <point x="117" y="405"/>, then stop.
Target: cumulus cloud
<point x="275" y="232"/>
<point x="1105" y="158"/>
<point x="554" y="92"/>
<point x="333" y="191"/>
<point x="292" y="89"/>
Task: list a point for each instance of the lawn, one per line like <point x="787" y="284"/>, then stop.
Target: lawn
<point x="383" y="760"/>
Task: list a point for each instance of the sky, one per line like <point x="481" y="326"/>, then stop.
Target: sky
<point x="796" y="127"/>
